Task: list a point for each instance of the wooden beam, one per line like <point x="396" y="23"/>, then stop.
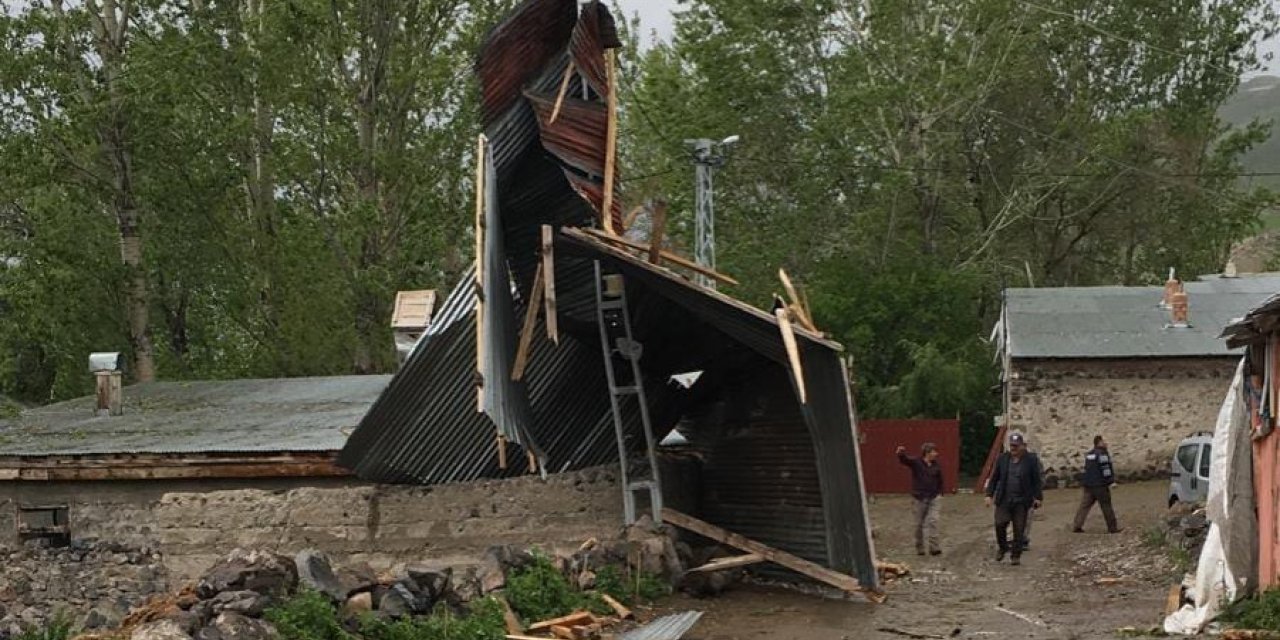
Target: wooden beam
<point x="549" y="285"/>
<point x="666" y="255"/>
<point x="802" y="314"/>
<point x="610" y="138"/>
<point x="502" y="451"/>
<point x="564" y="88"/>
<point x="514" y="628"/>
<point x="793" y="351"/>
<point x="480" y="174"/>
<point x="575" y="618"/>
<point x="731" y="562"/>
<point x="530" y="323"/>
<point x="630" y="219"/>
<point x="778" y="556"/>
<point x="618" y="608"/>
<point x="657" y="230"/>
<point x="532" y="460"/>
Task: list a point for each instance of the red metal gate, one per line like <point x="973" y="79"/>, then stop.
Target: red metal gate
<point x="877" y="440"/>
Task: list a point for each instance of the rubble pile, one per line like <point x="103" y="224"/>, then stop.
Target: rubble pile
<point x="96" y="583"/>
<point x="1186" y="527"/>
<point x="231" y="599"/>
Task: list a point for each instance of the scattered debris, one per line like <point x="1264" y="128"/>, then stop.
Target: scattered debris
<point x="1250" y="634"/>
<point x="911" y="634"/>
<point x="671" y="627"/>
<point x="1022" y="617"/>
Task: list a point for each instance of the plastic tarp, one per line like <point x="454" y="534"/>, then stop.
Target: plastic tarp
<point x="1226" y="568"/>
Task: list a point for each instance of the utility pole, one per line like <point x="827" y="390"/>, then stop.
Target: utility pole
<point x="706" y="158"/>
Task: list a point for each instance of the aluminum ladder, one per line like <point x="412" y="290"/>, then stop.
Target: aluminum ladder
<point x="618" y="344"/>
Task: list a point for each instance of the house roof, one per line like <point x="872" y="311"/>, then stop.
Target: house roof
<point x="228" y="416"/>
<point x="1127" y="322"/>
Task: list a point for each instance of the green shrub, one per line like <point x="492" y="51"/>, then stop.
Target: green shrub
<point x="484" y="621"/>
<point x="307" y="616"/>
<point x="643" y="587"/>
<point x="1261" y="612"/>
<point x="540" y="592"/>
<point x="58" y="628"/>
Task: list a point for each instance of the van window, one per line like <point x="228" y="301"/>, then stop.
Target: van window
<point x="1187" y="456"/>
<point x="1204" y="461"/>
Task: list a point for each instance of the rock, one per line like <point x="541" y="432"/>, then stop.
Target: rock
<point x="248" y="603"/>
<point x="233" y="626"/>
<point x="358" y="577"/>
<point x="586" y="580"/>
<point x="315" y="572"/>
<point x="465" y="588"/>
<point x="160" y="630"/>
<point x="97" y="618"/>
<point x="431" y="581"/>
<point x="397" y="601"/>
<point x="359" y="603"/>
<point x="262" y="571"/>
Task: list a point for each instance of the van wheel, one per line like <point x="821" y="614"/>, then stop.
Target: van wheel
<point x="1173" y="500"/>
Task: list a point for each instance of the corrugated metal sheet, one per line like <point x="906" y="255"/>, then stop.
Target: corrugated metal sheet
<point x="879" y="439"/>
<point x="672" y="627"/>
<point x="1119" y="322"/>
<point x="1255" y="325"/>
<point x="228" y="416"/>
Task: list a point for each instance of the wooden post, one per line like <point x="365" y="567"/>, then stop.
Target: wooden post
<point x="611" y="138"/>
<point x="480" y="175"/>
<point x="564" y="88"/>
<point x="502" y="451"/>
<point x="802" y="313"/>
<point x="657" y="230"/>
<point x="530" y="323"/>
<point x="110" y="393"/>
<point x="549" y="284"/>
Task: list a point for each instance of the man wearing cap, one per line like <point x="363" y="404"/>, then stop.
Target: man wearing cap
<point x="926" y="487"/>
<point x="1015" y="488"/>
<point x="1097" y="481"/>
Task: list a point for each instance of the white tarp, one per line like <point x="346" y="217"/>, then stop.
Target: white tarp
<point x="1227" y="564"/>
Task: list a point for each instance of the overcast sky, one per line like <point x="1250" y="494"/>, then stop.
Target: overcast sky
<point x="655" y="16"/>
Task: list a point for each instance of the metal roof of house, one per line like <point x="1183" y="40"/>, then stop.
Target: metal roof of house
<point x="227" y="416"/>
<point x="1128" y="322"/>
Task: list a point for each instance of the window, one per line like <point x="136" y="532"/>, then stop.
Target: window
<point x="1187" y="457"/>
<point x="50" y="523"/>
<point x="1204" y="461"/>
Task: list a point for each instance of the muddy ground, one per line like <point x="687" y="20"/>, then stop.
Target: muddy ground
<point x="957" y="594"/>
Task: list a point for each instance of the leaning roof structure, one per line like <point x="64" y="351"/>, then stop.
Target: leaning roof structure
<point x="455" y="411"/>
<point x="1127" y="322"/>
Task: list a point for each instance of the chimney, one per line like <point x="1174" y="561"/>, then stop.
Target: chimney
<point x="108" y="370"/>
<point x="1171" y="287"/>
<point x="410" y="318"/>
<point x="1180" y="304"/>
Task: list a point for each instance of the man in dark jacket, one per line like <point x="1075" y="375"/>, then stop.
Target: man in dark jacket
<point x="926" y="486"/>
<point x="1015" y="488"/>
<point x="1097" y="481"/>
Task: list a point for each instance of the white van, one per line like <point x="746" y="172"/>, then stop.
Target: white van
<point x="1189" y="469"/>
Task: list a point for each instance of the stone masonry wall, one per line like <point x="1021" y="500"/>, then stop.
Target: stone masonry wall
<point x="193" y="523"/>
<point x="1142" y="407"/>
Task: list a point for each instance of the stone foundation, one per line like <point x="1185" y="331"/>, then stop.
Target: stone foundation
<point x="1142" y="407"/>
<point x="192" y="523"/>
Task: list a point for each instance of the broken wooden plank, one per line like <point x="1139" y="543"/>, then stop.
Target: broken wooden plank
<point x="892" y="568"/>
<point x="793" y="352"/>
<point x="911" y="634"/>
<point x="610" y="138"/>
<point x="502" y="451"/>
<point x="802" y="314"/>
<point x="530" y="323"/>
<point x="618" y="608"/>
<point x="549" y="285"/>
<point x="631" y="217"/>
<point x="778" y="556"/>
<point x="564" y="88"/>
<point x="562" y="632"/>
<point x="1174" y="600"/>
<point x="575" y="618"/>
<point x="666" y="255"/>
<point x="480" y="174"/>
<point x="729" y="563"/>
<point x="657" y="230"/>
<point x="514" y="628"/>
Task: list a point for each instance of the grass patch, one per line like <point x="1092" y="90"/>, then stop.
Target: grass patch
<point x="307" y="616"/>
<point x="1259" y="612"/>
<point x="1154" y="538"/>
<point x="483" y="622"/>
<point x="58" y="628"/>
<point x="640" y="587"/>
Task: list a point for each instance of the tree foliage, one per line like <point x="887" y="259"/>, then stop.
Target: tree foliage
<point x="907" y="160"/>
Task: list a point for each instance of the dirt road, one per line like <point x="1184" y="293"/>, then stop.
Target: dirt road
<point x="957" y="594"/>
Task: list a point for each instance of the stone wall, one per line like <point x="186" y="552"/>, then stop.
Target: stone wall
<point x="191" y="523"/>
<point x="1142" y="407"/>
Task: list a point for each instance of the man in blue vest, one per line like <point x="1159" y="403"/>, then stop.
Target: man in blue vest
<point x="1016" y="487"/>
<point x="1098" y="478"/>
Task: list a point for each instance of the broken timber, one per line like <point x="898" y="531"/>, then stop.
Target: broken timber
<point x="480" y="273"/>
<point x="530" y="323"/>
<point x="610" y="139"/>
<point x="576" y="618"/>
<point x="795" y="563"/>
<point x="730" y="562"/>
<point x="802" y="313"/>
<point x="657" y="229"/>
<point x="793" y="352"/>
<point x="665" y="255"/>
<point x="549" y="285"/>
<point x="564" y="88"/>
<point x="618" y="608"/>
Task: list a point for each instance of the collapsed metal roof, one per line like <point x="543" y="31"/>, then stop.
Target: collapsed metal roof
<point x="1127" y="322"/>
<point x="1255" y="325"/>
<point x="426" y="427"/>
